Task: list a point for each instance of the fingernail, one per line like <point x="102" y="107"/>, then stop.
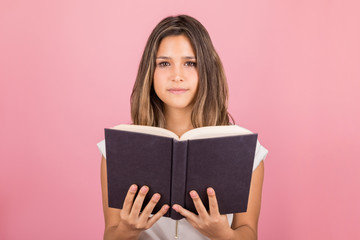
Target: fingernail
<point x="193" y="194"/>
<point x="210" y="191"/>
<point x="166" y="207"/>
<point x="144" y="189"/>
<point x="133" y="188"/>
<point x="156" y="196"/>
<point x="176" y="207"/>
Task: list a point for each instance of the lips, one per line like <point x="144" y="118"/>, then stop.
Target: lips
<point x="178" y="90"/>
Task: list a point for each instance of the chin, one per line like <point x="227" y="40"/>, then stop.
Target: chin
<point x="178" y="106"/>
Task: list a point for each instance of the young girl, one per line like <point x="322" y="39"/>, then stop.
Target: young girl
<point x="181" y="85"/>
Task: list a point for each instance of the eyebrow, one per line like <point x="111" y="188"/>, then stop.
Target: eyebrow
<point x="166" y="57"/>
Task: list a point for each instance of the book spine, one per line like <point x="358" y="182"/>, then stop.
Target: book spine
<point x="178" y="180"/>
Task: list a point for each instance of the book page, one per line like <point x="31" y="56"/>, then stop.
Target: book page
<point x="147" y="130"/>
<point x="214" y="131"/>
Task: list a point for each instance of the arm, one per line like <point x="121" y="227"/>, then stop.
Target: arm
<point x="127" y="223"/>
<point x="215" y="226"/>
<point x="111" y="215"/>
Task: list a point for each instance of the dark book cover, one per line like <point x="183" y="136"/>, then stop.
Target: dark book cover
<point x="173" y="168"/>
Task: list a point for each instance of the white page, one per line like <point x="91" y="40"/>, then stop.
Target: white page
<point x="147" y="129"/>
<point x="196" y="133"/>
<point x="214" y="131"/>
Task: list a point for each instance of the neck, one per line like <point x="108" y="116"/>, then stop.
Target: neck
<point x="178" y="121"/>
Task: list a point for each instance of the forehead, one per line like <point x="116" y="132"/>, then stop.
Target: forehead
<point x="175" y="45"/>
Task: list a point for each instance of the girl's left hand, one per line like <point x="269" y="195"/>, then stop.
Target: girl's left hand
<point x="211" y="224"/>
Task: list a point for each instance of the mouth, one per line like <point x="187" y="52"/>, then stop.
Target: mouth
<point x="178" y="90"/>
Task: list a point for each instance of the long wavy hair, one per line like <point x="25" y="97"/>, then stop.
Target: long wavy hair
<point x="211" y="100"/>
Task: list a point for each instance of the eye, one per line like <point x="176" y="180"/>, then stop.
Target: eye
<point x="164" y="64"/>
<point x="190" y="64"/>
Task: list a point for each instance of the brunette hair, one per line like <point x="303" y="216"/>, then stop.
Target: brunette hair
<point x="211" y="100"/>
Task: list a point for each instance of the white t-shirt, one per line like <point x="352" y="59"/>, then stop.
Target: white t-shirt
<point x="165" y="228"/>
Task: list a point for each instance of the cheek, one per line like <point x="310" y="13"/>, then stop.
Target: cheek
<point x="192" y="75"/>
<point x="196" y="86"/>
<point x="195" y="81"/>
<point x="158" y="84"/>
<point x="156" y="79"/>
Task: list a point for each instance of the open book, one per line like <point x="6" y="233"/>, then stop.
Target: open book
<point x="216" y="156"/>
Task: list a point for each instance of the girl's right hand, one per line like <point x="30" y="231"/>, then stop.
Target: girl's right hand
<point x="132" y="222"/>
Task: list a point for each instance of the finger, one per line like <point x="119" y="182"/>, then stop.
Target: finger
<point x="157" y="216"/>
<point x="213" y="204"/>
<point x="149" y="207"/>
<point x="198" y="204"/>
<point x="135" y="210"/>
<point x="191" y="217"/>
<point x="128" y="202"/>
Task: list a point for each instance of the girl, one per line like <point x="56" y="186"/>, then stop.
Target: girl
<point x="181" y="85"/>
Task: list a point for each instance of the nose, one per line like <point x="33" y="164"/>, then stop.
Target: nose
<point x="177" y="78"/>
<point x="177" y="74"/>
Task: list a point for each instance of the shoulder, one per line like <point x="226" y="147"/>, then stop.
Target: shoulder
<point x="101" y="146"/>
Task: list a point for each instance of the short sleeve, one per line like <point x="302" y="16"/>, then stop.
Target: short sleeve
<point x="101" y="146"/>
<point x="260" y="154"/>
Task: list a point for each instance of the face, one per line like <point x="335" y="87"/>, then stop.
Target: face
<point x="176" y="75"/>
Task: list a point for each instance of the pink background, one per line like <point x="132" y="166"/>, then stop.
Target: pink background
<point x="67" y="70"/>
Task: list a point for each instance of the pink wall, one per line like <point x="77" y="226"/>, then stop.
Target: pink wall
<point x="67" y="69"/>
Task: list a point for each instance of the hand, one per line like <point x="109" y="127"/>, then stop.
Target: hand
<point x="211" y="224"/>
<point x="132" y="222"/>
